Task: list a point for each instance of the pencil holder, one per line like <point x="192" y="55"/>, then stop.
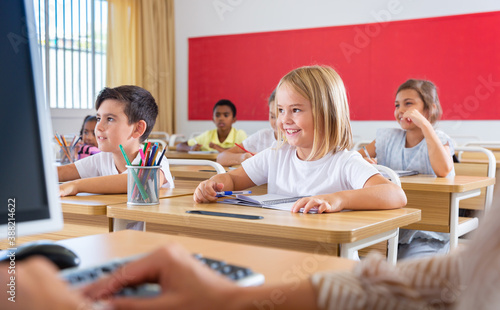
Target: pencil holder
<point x="68" y="151"/>
<point x="143" y="185"/>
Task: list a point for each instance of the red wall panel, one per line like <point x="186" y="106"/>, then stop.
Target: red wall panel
<point x="460" y="54"/>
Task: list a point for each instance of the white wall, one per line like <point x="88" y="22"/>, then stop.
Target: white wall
<point x="195" y="18"/>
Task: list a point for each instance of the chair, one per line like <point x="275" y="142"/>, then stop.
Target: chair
<point x="349" y="250"/>
<point x="462" y="138"/>
<point x="462" y="225"/>
<point x="493" y="146"/>
<point x="160" y="135"/>
<point x="195" y="162"/>
<point x="173" y="139"/>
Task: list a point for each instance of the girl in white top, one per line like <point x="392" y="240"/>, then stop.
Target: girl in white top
<point x="255" y="143"/>
<point x="313" y="157"/>
<point x="416" y="146"/>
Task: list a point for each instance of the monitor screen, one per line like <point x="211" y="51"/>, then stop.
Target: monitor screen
<point x="29" y="189"/>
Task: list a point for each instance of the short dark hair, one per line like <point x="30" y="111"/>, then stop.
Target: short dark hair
<point x="225" y="102"/>
<point x="138" y="103"/>
<point x="87" y="118"/>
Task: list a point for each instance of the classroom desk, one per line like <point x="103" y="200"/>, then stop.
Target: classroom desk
<point x="314" y="233"/>
<point x="193" y="172"/>
<point x="439" y="199"/>
<point x="191" y="155"/>
<point x="85" y="214"/>
<point x="496" y="189"/>
<point x="278" y="266"/>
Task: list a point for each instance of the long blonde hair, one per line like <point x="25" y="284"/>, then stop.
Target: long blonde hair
<point x="324" y="89"/>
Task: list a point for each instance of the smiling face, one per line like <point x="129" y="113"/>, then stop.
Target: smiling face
<point x="408" y="99"/>
<point x="223" y="118"/>
<point x="295" y="120"/>
<point x="112" y="128"/>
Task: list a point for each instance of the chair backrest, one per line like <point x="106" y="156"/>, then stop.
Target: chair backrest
<point x="358" y="145"/>
<point x="389" y="173"/>
<point x="173" y="139"/>
<point x="160" y="135"/>
<point x="198" y="162"/>
<point x="493" y="146"/>
<point x="476" y="167"/>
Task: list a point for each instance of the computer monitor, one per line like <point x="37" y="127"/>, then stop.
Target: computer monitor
<point x="28" y="186"/>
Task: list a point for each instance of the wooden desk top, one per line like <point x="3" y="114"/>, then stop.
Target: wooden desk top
<point x="458" y="184"/>
<point x="90" y="204"/>
<point x="277" y="265"/>
<point x="342" y="227"/>
<point x="193" y="172"/>
<point x="190" y="155"/>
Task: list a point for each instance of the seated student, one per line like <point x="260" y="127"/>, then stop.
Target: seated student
<point x="462" y="280"/>
<point x="88" y="144"/>
<point x="125" y="116"/>
<point x="255" y="143"/>
<point x="416" y="146"/>
<point x="312" y="156"/>
<point x="220" y="139"/>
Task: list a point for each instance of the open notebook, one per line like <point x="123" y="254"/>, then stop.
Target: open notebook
<point x="270" y="201"/>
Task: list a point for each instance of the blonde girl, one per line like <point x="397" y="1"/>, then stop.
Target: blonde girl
<point x="313" y="159"/>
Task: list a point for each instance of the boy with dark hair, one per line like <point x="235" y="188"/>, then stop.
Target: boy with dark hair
<point x="125" y="116"/>
<point x="220" y="139"/>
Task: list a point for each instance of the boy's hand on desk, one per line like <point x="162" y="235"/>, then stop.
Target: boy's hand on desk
<point x="207" y="191"/>
<point x="196" y="147"/>
<point x="68" y="189"/>
<point x="323" y="203"/>
<point x="216" y="147"/>
<point x="185" y="283"/>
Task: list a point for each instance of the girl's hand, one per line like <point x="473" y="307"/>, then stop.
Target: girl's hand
<point x="416" y="117"/>
<point x="68" y="189"/>
<point x="207" y="191"/>
<point x="321" y="203"/>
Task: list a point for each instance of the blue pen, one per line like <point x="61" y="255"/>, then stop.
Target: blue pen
<point x="228" y="193"/>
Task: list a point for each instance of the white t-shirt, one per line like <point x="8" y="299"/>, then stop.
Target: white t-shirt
<point x="260" y="140"/>
<point x="103" y="164"/>
<point x="286" y="174"/>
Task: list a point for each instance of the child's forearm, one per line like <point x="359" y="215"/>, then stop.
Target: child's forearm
<point x="233" y="156"/>
<point x="441" y="161"/>
<point x="218" y="148"/>
<point x="67" y="173"/>
<point x="378" y="197"/>
<point x="111" y="184"/>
